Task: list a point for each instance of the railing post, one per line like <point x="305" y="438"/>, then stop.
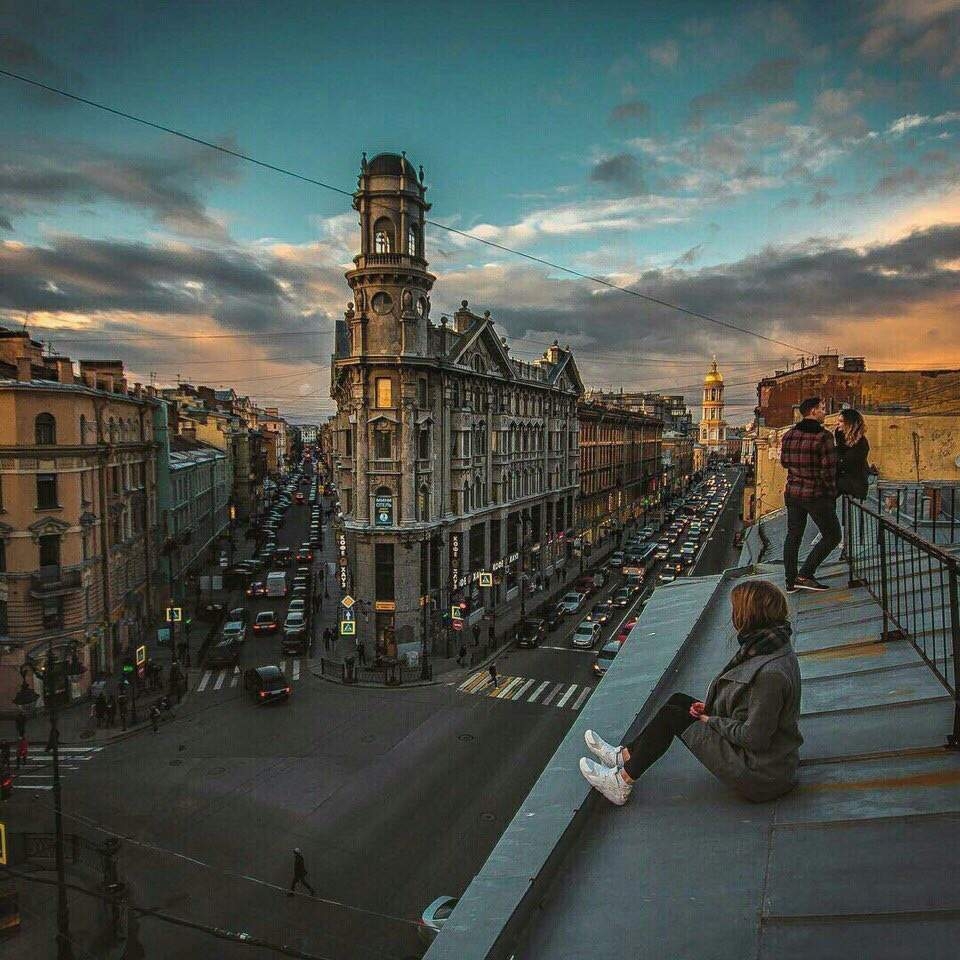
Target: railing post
<point x="953" y="739"/>
<point x="882" y="552"/>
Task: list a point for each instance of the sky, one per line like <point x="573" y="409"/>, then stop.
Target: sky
<point x="788" y="168"/>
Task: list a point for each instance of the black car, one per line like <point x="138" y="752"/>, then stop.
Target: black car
<point x="283" y="557"/>
<point x="225" y="653"/>
<point x="266" y="683"/>
<point x="555" y="615"/>
<point x="238" y="615"/>
<point x="531" y="632"/>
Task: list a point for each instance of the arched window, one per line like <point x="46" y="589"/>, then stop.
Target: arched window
<point x="45" y="430"/>
<point x="423" y="502"/>
<point x="112" y="431"/>
<point x="413" y="240"/>
<point x="383" y="235"/>
<point x="478" y="364"/>
<point x="466" y="496"/>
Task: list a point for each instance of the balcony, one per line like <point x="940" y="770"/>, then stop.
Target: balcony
<point x="54" y="581"/>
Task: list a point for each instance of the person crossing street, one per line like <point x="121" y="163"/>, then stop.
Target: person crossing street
<point x="494" y="677"/>
<point x="299" y="874"/>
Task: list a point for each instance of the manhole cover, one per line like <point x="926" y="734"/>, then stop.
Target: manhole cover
<point x="175" y="763"/>
<point x="369" y="738"/>
<point x="486" y="816"/>
<point x="465" y="737"/>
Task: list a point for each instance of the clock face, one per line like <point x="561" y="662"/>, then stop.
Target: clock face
<point x="422" y="306"/>
<point x="382" y="302"/>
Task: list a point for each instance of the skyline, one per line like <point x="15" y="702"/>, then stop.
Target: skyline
<point x="771" y="167"/>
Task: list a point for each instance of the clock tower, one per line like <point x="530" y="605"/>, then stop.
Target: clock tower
<point x="390" y="282"/>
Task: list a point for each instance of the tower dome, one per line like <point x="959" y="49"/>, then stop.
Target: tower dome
<point x="391" y="165"/>
<point x="713" y="375"/>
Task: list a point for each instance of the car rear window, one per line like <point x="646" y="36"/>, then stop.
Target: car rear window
<point x="443" y="912"/>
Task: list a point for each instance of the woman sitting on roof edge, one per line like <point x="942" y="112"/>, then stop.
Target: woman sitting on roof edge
<point x="745" y="732"/>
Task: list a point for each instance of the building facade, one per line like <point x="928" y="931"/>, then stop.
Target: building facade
<point x="620" y="468"/>
<point x="452" y="458"/>
<point x="677" y="463"/>
<point x="713" y="428"/>
<point x="671" y="408"/>
<point x="78" y="527"/>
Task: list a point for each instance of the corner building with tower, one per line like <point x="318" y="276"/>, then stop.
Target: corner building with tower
<point x="452" y="458"/>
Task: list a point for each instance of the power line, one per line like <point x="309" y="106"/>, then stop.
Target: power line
<point x="236" y="154"/>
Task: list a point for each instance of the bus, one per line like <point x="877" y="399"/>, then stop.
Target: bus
<point x="640" y="561"/>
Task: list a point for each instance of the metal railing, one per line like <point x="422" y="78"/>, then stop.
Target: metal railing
<point x="916" y="584"/>
<point x="927" y="508"/>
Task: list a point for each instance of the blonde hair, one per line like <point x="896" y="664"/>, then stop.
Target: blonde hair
<point x="757" y="604"/>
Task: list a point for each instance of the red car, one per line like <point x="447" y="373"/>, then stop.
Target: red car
<point x="298" y="496"/>
<point x="625" y="631"/>
<point x="257" y="589"/>
<point x="266" y="622"/>
<point x="304" y="554"/>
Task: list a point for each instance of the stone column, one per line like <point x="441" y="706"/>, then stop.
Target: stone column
<point x="361" y="507"/>
<point x="408" y="461"/>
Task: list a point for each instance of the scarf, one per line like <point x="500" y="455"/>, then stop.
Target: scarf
<point x="757" y="643"/>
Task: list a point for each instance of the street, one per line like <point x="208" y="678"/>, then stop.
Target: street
<point x="395" y="796"/>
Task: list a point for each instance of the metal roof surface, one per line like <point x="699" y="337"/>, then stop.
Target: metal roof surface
<point x="861" y="860"/>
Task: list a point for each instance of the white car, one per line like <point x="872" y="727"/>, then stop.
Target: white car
<point x="666" y="576"/>
<point x="572" y="602"/>
<point x="587" y="634"/>
<point x="297" y="606"/>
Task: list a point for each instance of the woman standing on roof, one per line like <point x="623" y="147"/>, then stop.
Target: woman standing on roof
<point x="745" y="732"/>
<point x="853" y="472"/>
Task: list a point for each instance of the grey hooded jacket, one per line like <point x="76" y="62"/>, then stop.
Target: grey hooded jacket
<point x="752" y="740"/>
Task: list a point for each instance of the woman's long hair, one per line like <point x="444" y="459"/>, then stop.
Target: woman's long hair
<point x="757" y="604"/>
<point x="854" y="425"/>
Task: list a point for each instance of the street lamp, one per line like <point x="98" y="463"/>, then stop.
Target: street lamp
<point x="64" y="947"/>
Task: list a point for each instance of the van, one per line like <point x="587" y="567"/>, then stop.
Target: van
<point x="276" y="584"/>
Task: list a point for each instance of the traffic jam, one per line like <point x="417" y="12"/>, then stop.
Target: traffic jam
<point x="603" y="606"/>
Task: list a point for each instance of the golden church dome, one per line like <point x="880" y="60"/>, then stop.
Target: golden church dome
<point x="714" y="375"/>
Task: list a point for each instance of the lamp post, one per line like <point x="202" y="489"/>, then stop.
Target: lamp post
<point x="47" y="675"/>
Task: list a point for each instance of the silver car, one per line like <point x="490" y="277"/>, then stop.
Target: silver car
<point x="432" y="919"/>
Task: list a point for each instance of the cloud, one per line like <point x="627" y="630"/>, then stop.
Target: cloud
<point x="622" y="173"/>
<point x="925" y="32"/>
<point x="664" y="54"/>
<point x="911" y="121"/>
<point x="632" y="110"/>
<point x="766" y="78"/>
<point x="167" y="185"/>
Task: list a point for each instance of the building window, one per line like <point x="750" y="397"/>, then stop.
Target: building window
<point x="50" y="550"/>
<point x="423" y="446"/>
<point x="52" y="610"/>
<point x="3" y="556"/>
<point x="348" y="442"/>
<point x="383" y="235"/>
<point x="46" y="491"/>
<point x="384" y="392"/>
<point x="383" y="572"/>
<point x="381" y="445"/>
<point x="421" y="392"/>
<point x="423" y="503"/>
<point x="413" y="241"/>
<point x="45" y="430"/>
<point x="3" y="618"/>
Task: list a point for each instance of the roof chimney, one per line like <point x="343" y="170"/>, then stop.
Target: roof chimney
<point x="65" y="370"/>
<point x="24" y="371"/>
<point x="462" y="318"/>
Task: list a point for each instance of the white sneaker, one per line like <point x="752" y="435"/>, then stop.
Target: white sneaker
<point x="606" y="753"/>
<point x="608" y="781"/>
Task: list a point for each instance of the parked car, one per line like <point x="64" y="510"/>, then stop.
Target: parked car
<point x="266" y="622"/>
<point x="530" y="632"/>
<point x="625" y="630"/>
<point x="431" y="921"/>
<point x="296" y="635"/>
<point x="572" y="602"/>
<point x="586" y="634"/>
<point x="266" y="684"/>
<point x="224" y="653"/>
<point x="605" y="657"/>
<point x="616" y="559"/>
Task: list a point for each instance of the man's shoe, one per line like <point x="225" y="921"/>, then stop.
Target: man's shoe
<point x="606" y="753"/>
<point x="606" y="780"/>
<point x="809" y="583"/>
<point x="791" y="588"/>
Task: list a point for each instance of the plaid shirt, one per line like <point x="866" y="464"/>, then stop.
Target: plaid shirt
<point x="810" y="458"/>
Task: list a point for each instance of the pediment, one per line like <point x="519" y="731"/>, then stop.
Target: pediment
<point x="383" y="418"/>
<point x="483" y="340"/>
<point x="48" y="526"/>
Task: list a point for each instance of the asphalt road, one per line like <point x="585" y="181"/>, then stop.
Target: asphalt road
<point x="394" y="796"/>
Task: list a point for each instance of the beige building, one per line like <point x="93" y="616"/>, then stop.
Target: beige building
<point x="79" y="514"/>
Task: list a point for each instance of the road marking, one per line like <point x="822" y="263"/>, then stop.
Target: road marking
<point x="513" y="683"/>
<point x="552" y="694"/>
<point x="522" y="690"/>
<point x="562" y="701"/>
<point x="578" y="703"/>
<point x="79" y="749"/>
<point x="564" y="649"/>
<point x="31" y="786"/>
<point x="235" y="679"/>
<point x="296" y="669"/>
<point x="473" y="682"/>
<point x="204" y="680"/>
<point x="221" y="676"/>
<point x="536" y="693"/>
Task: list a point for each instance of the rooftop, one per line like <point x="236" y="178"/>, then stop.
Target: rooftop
<point x="851" y="863"/>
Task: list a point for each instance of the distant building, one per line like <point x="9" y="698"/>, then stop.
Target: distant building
<point x="308" y="433"/>
<point x="850" y="384"/>
<point x="678" y="466"/>
<point x="79" y="516"/>
<point x="713" y="428"/>
<point x="670" y="408"/>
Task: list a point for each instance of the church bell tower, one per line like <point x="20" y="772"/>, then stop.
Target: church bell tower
<point x="391" y="286"/>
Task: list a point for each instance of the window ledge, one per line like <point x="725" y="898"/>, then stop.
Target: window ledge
<point x="47" y="509"/>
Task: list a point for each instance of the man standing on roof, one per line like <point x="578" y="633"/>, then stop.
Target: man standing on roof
<point x="809" y="454"/>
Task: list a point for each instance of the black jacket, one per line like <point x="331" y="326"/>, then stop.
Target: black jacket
<point x="852" y="468"/>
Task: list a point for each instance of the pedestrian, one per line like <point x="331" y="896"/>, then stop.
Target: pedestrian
<point x="155" y="718"/>
<point x="21" y="722"/>
<point x="746" y="730"/>
<point x="299" y="874"/>
<point x="462" y="655"/>
<point x="853" y="472"/>
<point x="361" y="653"/>
<point x="493" y="676"/>
<point x="476" y="634"/>
<point x="111" y="711"/>
<point x="23" y="749"/>
<point x="100" y="706"/>
<point x="326" y="592"/>
<point x="122" y="707"/>
<point x="809" y="454"/>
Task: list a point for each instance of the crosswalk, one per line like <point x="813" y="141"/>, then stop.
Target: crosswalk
<point x="37" y="774"/>
<point x="229" y="677"/>
<point x="547" y="693"/>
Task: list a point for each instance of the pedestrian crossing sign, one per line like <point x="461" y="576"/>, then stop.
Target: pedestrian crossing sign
<point x="174" y="614"/>
<point x="486" y="579"/>
<point x="348" y="628"/>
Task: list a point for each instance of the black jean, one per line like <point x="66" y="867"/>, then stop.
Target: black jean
<point x="823" y="512"/>
<point x="668" y="722"/>
<point x="301" y="878"/>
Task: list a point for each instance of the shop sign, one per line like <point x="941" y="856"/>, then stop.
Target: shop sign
<point x="455" y="544"/>
<point x="385" y="606"/>
<point x="513" y="558"/>
<point x="383" y="506"/>
<point x="497" y="565"/>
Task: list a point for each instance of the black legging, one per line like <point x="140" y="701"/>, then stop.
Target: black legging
<point x="668" y="722"/>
